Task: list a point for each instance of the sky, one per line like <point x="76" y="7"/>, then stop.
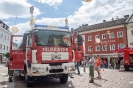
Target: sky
<point x="54" y="12"/>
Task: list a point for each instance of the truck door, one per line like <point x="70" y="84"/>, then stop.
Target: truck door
<point x="78" y="48"/>
<point x="17" y="55"/>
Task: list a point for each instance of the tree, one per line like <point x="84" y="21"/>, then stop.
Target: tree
<point x="7" y="55"/>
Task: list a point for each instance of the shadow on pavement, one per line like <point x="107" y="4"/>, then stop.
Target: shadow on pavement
<point x="125" y="71"/>
<point x="96" y="84"/>
<point x="42" y="83"/>
<point x="100" y="79"/>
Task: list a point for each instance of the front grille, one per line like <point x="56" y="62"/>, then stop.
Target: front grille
<point x="55" y="70"/>
<point x="54" y="64"/>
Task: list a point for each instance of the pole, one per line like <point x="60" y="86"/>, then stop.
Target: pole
<point x="31" y="20"/>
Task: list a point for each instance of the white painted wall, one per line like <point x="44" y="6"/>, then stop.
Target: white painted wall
<point x="129" y="34"/>
<point x="3" y="40"/>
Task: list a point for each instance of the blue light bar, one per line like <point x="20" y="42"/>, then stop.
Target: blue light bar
<point x="47" y="26"/>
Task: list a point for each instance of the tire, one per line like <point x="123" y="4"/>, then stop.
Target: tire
<point x="126" y="69"/>
<point x="64" y="78"/>
<point x="27" y="79"/>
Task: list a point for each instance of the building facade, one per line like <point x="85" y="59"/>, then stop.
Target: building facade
<point x="112" y="35"/>
<point x="130" y="31"/>
<point x="4" y="40"/>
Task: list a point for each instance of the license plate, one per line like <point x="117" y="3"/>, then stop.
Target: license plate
<point x="56" y="67"/>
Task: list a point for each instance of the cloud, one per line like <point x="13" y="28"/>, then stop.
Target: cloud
<point x="50" y="2"/>
<point x="54" y="3"/>
<point x="89" y="13"/>
<point x="11" y="8"/>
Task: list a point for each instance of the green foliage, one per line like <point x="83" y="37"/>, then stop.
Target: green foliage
<point x="7" y="55"/>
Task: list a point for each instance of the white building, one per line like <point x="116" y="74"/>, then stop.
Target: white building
<point x="4" y="40"/>
<point x="130" y="31"/>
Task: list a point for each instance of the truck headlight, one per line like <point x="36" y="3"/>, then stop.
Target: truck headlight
<point x="72" y="66"/>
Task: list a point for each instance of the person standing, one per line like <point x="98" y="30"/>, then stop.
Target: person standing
<point x="105" y="63"/>
<point x="91" y="68"/>
<point x="77" y="66"/>
<point x="97" y="65"/>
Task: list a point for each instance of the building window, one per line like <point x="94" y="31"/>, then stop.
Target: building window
<point x="1" y="35"/>
<point x="7" y="48"/>
<point x="97" y="36"/>
<point x="89" y="38"/>
<point x="131" y="32"/>
<point x="104" y="47"/>
<point x="4" y="47"/>
<point x="90" y="48"/>
<point x="8" y="38"/>
<point x="104" y="36"/>
<point x="5" y="37"/>
<point x="119" y="34"/>
<point x="111" y="35"/>
<point x="120" y="46"/>
<point x="112" y="47"/>
<point x="1" y="46"/>
<point x="97" y="48"/>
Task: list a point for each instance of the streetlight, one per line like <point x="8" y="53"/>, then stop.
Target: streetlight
<point x="32" y="20"/>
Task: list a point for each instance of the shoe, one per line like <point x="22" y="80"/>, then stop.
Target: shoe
<point x="91" y="81"/>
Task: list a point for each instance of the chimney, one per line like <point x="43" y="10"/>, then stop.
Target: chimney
<point x="117" y="18"/>
<point x="126" y="16"/>
<point x="112" y="19"/>
<point x="86" y="24"/>
<point x="104" y="20"/>
<point x="80" y="26"/>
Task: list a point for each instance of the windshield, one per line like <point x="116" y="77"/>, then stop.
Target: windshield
<point x="52" y="38"/>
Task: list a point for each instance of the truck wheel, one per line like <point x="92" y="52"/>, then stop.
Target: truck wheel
<point x="64" y="78"/>
<point x="28" y="80"/>
<point x="127" y="69"/>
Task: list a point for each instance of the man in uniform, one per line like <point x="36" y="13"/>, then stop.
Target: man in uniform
<point x="91" y="68"/>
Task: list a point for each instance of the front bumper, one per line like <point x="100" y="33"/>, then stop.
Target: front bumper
<point x="46" y="69"/>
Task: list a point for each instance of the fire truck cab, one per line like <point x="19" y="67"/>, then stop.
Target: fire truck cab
<point x="46" y="51"/>
<point x="127" y="56"/>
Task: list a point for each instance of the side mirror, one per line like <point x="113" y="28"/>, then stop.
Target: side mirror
<point x="80" y="40"/>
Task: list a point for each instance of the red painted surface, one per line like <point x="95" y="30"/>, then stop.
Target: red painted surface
<point x="104" y="42"/>
<point x="19" y="55"/>
<point x="126" y="53"/>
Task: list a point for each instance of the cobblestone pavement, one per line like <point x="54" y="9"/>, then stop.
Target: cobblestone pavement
<point x="110" y="79"/>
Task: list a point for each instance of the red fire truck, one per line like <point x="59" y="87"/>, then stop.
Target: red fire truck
<point x="127" y="57"/>
<point x="46" y="51"/>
